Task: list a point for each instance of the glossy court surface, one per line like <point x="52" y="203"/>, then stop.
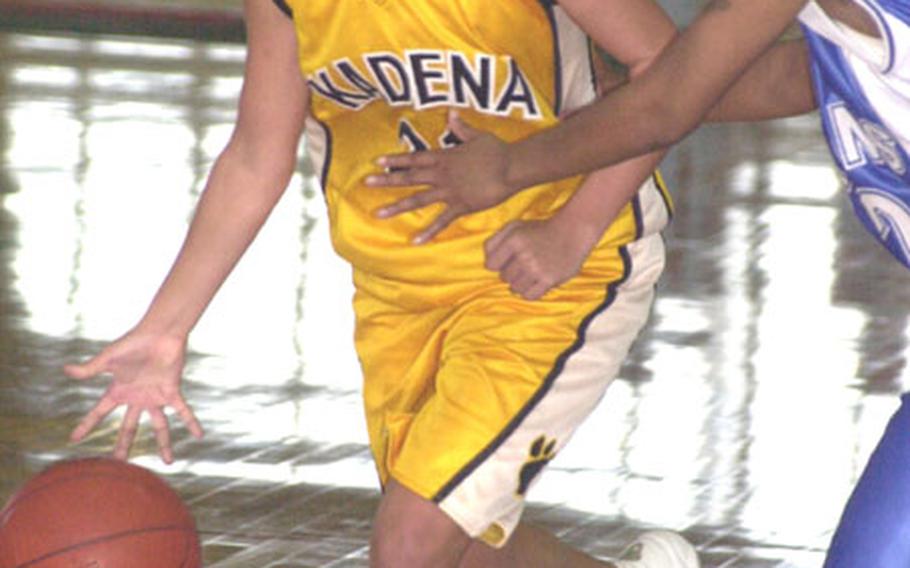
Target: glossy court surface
<point x="775" y="354"/>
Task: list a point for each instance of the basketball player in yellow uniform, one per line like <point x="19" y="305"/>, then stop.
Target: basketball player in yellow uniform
<point x="470" y="389"/>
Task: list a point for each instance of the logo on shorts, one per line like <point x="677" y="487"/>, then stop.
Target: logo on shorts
<point x="540" y="454"/>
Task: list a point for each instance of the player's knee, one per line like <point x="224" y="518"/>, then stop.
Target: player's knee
<point x="410" y="531"/>
<point x="402" y="543"/>
<point x="392" y="546"/>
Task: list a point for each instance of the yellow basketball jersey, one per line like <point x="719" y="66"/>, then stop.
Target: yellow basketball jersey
<point x="382" y="75"/>
<point x="468" y="388"/>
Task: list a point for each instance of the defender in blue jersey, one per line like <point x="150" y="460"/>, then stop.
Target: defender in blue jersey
<point x="862" y="83"/>
<point x="853" y="64"/>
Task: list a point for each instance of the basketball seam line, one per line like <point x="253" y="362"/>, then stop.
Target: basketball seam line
<point x="179" y="528"/>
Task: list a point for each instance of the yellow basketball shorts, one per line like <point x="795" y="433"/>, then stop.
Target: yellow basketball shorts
<point x="467" y="402"/>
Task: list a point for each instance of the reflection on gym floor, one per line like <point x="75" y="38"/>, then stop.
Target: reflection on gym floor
<point x="773" y="359"/>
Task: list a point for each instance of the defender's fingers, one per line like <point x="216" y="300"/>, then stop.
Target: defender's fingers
<point x="127" y="434"/>
<point x="440" y="223"/>
<point x="512" y="272"/>
<point x="162" y="434"/>
<point x="189" y="419"/>
<point x="411" y="202"/>
<point x="92" y="419"/>
<point x="501" y="235"/>
<point x="523" y="283"/>
<point x="500" y="257"/>
<point x="499" y="248"/>
<point x="408" y="160"/>
<point x="537" y="291"/>
<point x="401" y="178"/>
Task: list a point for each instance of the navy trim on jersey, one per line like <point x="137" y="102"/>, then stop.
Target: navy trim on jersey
<point x="283" y="6"/>
<point x="592" y="68"/>
<point x="548" y="6"/>
<point x="664" y="192"/>
<point x="639" y="217"/>
<point x="327" y="158"/>
<point x="548" y="382"/>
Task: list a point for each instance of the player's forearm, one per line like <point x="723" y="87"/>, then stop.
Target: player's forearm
<point x="618" y="127"/>
<point x="602" y="195"/>
<point x="631" y="120"/>
<point x="248" y="178"/>
<point x="778" y="85"/>
<point x="665" y="103"/>
<point x="234" y="206"/>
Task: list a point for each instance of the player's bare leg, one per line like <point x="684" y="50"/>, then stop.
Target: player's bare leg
<point x="411" y="531"/>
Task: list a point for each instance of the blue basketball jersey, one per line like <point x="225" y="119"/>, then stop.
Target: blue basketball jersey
<point x="863" y="90"/>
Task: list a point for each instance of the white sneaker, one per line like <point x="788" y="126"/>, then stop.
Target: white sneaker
<point x="659" y="549"/>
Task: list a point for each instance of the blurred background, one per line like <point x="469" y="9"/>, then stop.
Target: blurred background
<point x="774" y="357"/>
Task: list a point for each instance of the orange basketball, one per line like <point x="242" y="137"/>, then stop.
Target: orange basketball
<point x="98" y="513"/>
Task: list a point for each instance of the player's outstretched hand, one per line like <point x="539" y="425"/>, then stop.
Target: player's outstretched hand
<point x="533" y="257"/>
<point x="467" y="178"/>
<point x="145" y="372"/>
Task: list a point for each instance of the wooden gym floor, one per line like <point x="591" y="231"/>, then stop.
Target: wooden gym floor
<point x="775" y="354"/>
